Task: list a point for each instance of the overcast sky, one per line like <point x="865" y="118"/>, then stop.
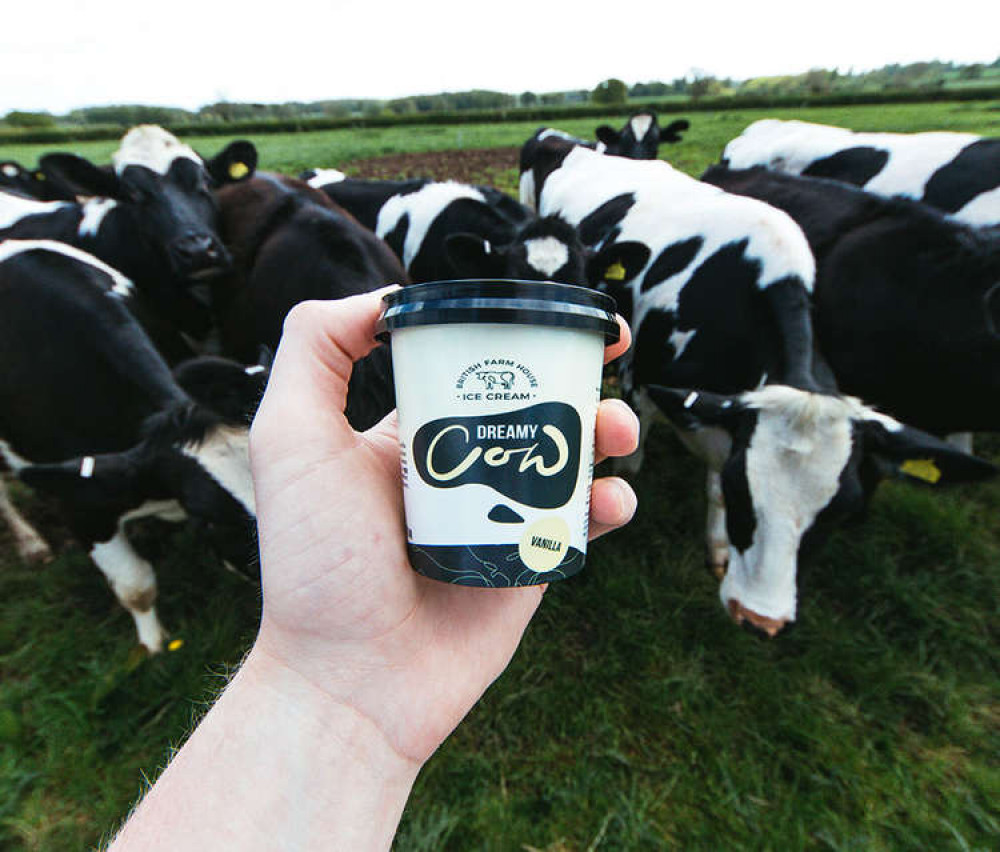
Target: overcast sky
<point x="61" y="54"/>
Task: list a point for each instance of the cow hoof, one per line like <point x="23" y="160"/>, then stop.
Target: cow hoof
<point x="741" y="615"/>
<point x="35" y="552"/>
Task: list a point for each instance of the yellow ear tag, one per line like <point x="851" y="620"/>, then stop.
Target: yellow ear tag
<point x="39" y="176"/>
<point x="175" y="645"/>
<point x="924" y="469"/>
<point x="615" y="272"/>
<point x="238" y="170"/>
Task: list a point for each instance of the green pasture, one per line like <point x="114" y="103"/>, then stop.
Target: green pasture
<point x="635" y="716"/>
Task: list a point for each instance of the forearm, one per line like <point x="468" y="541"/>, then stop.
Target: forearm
<point x="275" y="765"/>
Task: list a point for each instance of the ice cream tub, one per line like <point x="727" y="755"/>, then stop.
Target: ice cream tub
<point x="497" y="386"/>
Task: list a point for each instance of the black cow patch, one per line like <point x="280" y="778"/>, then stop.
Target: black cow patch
<point x="735" y="339"/>
<point x="672" y="260"/>
<point x="502" y="514"/>
<point x="741" y="519"/>
<point x="599" y="224"/>
<point x="974" y="171"/>
<point x="852" y="165"/>
<point x="396" y="238"/>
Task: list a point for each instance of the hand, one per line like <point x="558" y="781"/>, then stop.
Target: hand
<point x="343" y="610"/>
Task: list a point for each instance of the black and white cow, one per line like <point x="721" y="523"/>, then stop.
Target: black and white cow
<point x="291" y="243"/>
<point x="444" y="229"/>
<point x="90" y="413"/>
<point x="640" y="138"/>
<point x="906" y="302"/>
<point x="31" y="183"/>
<point x="717" y="290"/>
<point x="958" y="173"/>
<point x="152" y="217"/>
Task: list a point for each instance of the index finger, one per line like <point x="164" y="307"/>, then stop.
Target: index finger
<point x="624" y="341"/>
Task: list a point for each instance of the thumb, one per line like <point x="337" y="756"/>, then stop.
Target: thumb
<point x="303" y="406"/>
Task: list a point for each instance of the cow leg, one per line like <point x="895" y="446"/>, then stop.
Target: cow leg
<point x="961" y="440"/>
<point x="715" y="526"/>
<point x="31" y="547"/>
<point x="647" y="410"/>
<point x="134" y="584"/>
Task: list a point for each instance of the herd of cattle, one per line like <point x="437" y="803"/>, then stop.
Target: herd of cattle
<point x="812" y="315"/>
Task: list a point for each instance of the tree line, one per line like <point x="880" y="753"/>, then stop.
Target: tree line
<point x="698" y="84"/>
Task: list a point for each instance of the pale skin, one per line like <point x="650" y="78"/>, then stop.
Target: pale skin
<point x="361" y="667"/>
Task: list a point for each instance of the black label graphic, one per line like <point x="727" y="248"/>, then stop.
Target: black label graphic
<point x="531" y="456"/>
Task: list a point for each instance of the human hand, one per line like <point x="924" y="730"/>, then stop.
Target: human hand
<point x="343" y="611"/>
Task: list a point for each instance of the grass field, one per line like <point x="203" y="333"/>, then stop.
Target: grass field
<point x="634" y="716"/>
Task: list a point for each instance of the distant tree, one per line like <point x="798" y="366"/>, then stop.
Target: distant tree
<point x="649" y="90"/>
<point x="971" y="72"/>
<point x="611" y="91"/>
<point x="21" y="118"/>
<point x="703" y="85"/>
<point x="528" y="99"/>
<point x="818" y="81"/>
<point x="553" y="98"/>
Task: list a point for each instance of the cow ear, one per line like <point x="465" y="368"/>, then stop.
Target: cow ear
<point x="672" y="132"/>
<point x="472" y="256"/>
<point x="615" y="264"/>
<point x="110" y="478"/>
<point x="75" y="176"/>
<point x="236" y="162"/>
<point x="690" y="410"/>
<point x="608" y="135"/>
<point x="918" y="456"/>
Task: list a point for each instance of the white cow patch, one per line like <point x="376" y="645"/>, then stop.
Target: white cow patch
<point x="153" y="147"/>
<point x="546" y="254"/>
<point x="13" y="208"/>
<point x="324" y="177"/>
<point x="94" y="211"/>
<point x="422" y="207"/>
<point x="10" y="171"/>
<point x="225" y="456"/>
<point x="791" y="146"/>
<point x="983" y="210"/>
<point x="641" y="124"/>
<point x="122" y="286"/>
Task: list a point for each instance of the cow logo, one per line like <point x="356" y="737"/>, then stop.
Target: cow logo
<point x="531" y="456"/>
<point x="496" y="379"/>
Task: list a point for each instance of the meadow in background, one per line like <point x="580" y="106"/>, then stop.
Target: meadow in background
<point x="635" y="715"/>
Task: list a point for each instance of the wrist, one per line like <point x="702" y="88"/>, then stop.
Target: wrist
<point x="276" y="764"/>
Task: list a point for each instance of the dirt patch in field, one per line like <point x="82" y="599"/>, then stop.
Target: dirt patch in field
<point x="491" y="166"/>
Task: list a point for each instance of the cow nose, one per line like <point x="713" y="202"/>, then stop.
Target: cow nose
<point x="196" y="247"/>
<point x="741" y="615"/>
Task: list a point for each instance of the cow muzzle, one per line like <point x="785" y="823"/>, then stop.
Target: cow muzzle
<point x="199" y="256"/>
<point x="743" y="616"/>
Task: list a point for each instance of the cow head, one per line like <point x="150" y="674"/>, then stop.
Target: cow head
<point x="548" y="249"/>
<point x="194" y="452"/>
<point x="164" y="191"/>
<point x="793" y="464"/>
<point x="188" y="454"/>
<point x="29" y="182"/>
<point x="640" y="138"/>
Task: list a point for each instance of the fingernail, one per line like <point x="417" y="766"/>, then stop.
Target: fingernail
<point x="627" y="501"/>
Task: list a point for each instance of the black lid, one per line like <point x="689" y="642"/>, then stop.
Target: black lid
<point x="483" y="300"/>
